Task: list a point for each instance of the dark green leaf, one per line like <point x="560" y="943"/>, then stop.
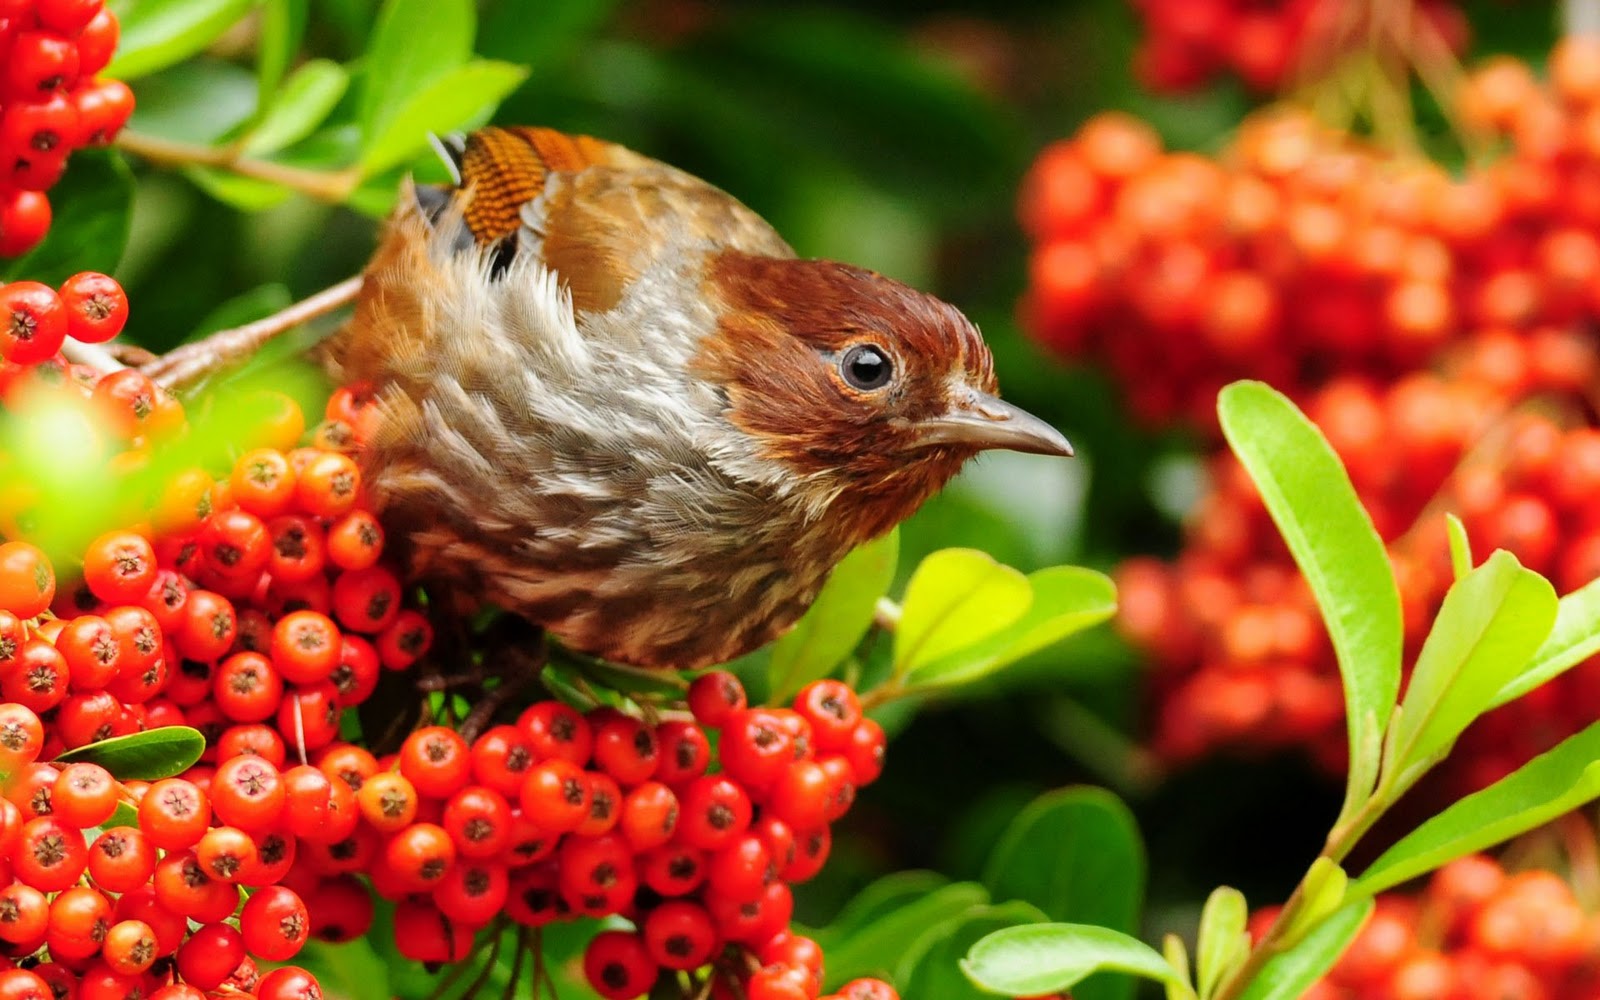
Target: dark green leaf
<point x="874" y="946"/>
<point x="1223" y="941"/>
<point x="1077" y="855"/>
<point x="283" y="24"/>
<point x="93" y="205"/>
<point x="1049" y="958"/>
<point x="304" y="102"/>
<point x="1552" y="784"/>
<point x="201" y="101"/>
<point x="159" y="33"/>
<point x="1287" y="975"/>
<point x="461" y="98"/>
<point x="1066" y="600"/>
<point x="956" y="598"/>
<point x="1574" y="638"/>
<point x="886" y="895"/>
<point x="1492" y="621"/>
<point x="1309" y="495"/>
<point x="836" y="621"/>
<point x="147" y="756"/>
<point x="414" y="44"/>
<point x="932" y="968"/>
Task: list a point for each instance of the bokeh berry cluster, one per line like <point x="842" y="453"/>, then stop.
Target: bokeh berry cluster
<point x="1475" y="932"/>
<point x="52" y="101"/>
<point x="1268" y="44"/>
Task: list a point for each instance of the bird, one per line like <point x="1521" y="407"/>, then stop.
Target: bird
<point x="613" y="401"/>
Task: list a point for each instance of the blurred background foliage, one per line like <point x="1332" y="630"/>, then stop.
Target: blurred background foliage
<point x="888" y="133"/>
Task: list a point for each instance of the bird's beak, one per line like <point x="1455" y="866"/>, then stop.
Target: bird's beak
<point x="980" y="420"/>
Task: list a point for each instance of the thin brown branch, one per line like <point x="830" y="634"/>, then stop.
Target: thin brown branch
<point x="332" y="186"/>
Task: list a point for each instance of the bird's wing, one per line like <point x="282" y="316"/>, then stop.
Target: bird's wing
<point x="594" y="212"/>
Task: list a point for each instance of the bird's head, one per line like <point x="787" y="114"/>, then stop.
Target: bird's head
<point x="871" y="394"/>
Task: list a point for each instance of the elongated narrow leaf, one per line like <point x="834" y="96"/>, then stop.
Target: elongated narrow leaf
<point x="303" y="103"/>
<point x="1325" y="888"/>
<point x="414" y="44"/>
<point x="1492" y="621"/>
<point x="1460" y="547"/>
<point x="1309" y="495"/>
<point x="1049" y="958"/>
<point x="1574" y="638"/>
<point x="1077" y="855"/>
<point x="837" y="619"/>
<point x="956" y="599"/>
<point x="1553" y="783"/>
<point x="147" y="756"/>
<point x="1223" y="941"/>
<point x="159" y="33"/>
<point x="1066" y="600"/>
<point x="283" y="25"/>
<point x="459" y="99"/>
<point x="1286" y="976"/>
<point x="876" y="945"/>
<point x="886" y="895"/>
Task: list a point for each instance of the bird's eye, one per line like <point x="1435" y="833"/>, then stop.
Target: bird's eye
<point x="866" y="367"/>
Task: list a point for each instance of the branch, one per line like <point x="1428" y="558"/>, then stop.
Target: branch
<point x="333" y="186"/>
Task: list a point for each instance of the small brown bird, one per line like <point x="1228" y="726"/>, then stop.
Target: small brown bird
<point x="614" y="402"/>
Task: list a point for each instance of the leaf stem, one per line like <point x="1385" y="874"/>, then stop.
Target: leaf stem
<point x="332" y="186"/>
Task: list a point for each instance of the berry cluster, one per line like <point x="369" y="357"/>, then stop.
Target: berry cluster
<point x="1301" y="252"/>
<point x="1269" y="43"/>
<point x="51" y="102"/>
<point x="1238" y="654"/>
<point x="36" y="320"/>
<point x="1476" y="931"/>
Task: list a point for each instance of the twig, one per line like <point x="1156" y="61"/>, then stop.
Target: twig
<point x="93" y="355"/>
<point x="320" y="184"/>
<point x="886" y="615"/>
<point x="186" y="364"/>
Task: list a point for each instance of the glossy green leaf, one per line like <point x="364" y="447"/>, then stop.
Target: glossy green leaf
<point x="1288" y="974"/>
<point x="1223" y="941"/>
<point x="1066" y="600"/>
<point x="303" y="103"/>
<point x="1076" y="854"/>
<point x="93" y="206"/>
<point x="1553" y="783"/>
<point x="158" y="33"/>
<point x="283" y="25"/>
<point x="932" y="966"/>
<point x="147" y="756"/>
<point x="414" y="44"/>
<point x="1573" y="638"/>
<point x="1049" y="958"/>
<point x="461" y="98"/>
<point x="883" y="896"/>
<point x="837" y="619"/>
<point x="1492" y="621"/>
<point x="244" y="193"/>
<point x="1460" y="546"/>
<point x="1309" y="495"/>
<point x="874" y="946"/>
<point x="956" y="599"/>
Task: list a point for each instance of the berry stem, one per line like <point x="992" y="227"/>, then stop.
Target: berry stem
<point x="93" y="355"/>
<point x="319" y="184"/>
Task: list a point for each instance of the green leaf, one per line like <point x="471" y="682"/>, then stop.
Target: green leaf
<point x="1308" y="493"/>
<point x="1223" y="942"/>
<point x="147" y="756"/>
<point x="1177" y="956"/>
<point x="283" y="25"/>
<point x="873" y="947"/>
<point x="1555" y="782"/>
<point x="1460" y="546"/>
<point x="837" y="619"/>
<point x="304" y="102"/>
<point x="415" y="44"/>
<point x="1066" y="600"/>
<point x="542" y="42"/>
<point x="459" y="99"/>
<point x="932" y="968"/>
<point x="1077" y="855"/>
<point x="159" y="33"/>
<point x="93" y="206"/>
<point x="1574" y="638"/>
<point x="1324" y="887"/>
<point x="955" y="599"/>
<point x="1288" y="974"/>
<point x="1049" y="958"/>
<point x="1492" y="621"/>
<point x="886" y="895"/>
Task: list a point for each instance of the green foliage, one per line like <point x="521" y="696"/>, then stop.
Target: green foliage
<point x="1288" y="974"/>
<point x="93" y="209"/>
<point x="1049" y="958"/>
<point x="1222" y="941"/>
<point x="147" y="756"/>
<point x="1308" y="493"/>
<point x="158" y="33"/>
<point x="305" y="101"/>
<point x="837" y="621"/>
